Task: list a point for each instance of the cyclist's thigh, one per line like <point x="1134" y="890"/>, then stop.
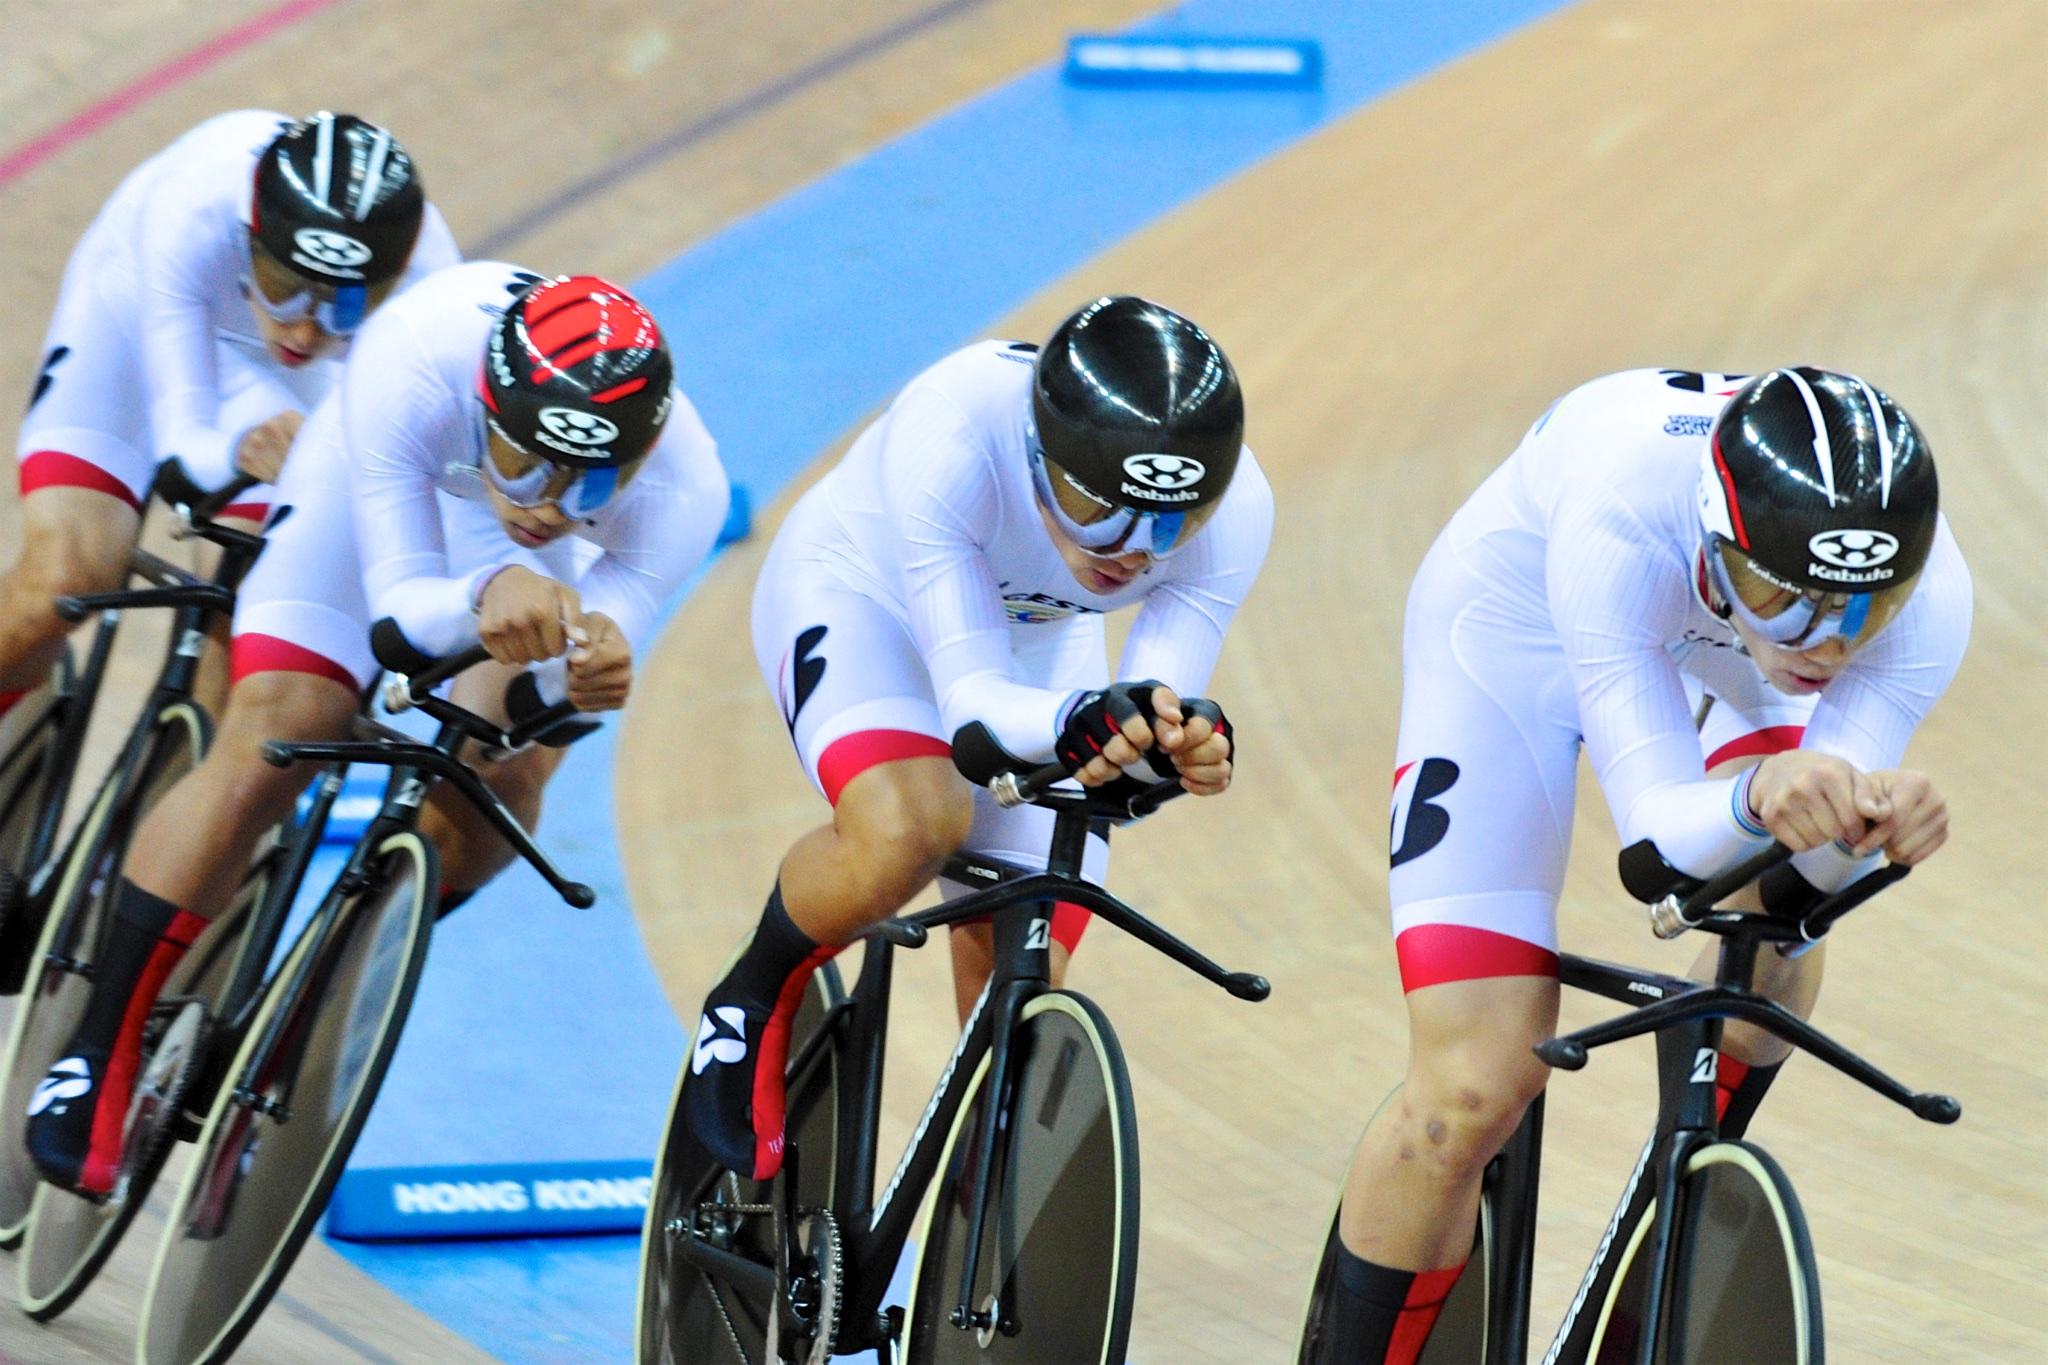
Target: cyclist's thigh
<point x="74" y="539"/>
<point x="1484" y="783"/>
<point x="845" y="674"/>
<point x="87" y="424"/>
<point x="302" y="609"/>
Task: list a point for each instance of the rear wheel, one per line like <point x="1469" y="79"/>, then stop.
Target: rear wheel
<point x="24" y="789"/>
<point x="1743" y="1283"/>
<point x="1059" y="1250"/>
<point x="687" y="1317"/>
<point x="279" y="1132"/>
<point x="53" y="997"/>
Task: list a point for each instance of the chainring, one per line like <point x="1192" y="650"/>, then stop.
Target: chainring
<point x="818" y="1236"/>
<point x="181" y="1027"/>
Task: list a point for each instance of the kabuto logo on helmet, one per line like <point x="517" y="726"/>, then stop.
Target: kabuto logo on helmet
<point x="330" y="252"/>
<point x="1164" y="478"/>
<point x="1857" y="554"/>
<point x="575" y="430"/>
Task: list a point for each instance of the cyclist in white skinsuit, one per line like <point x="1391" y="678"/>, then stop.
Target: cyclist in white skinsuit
<point x="956" y="566"/>
<point x="1661" y="540"/>
<point x="194" y="322"/>
<point x="434" y="486"/>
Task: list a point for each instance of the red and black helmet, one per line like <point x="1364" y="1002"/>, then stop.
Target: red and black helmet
<point x="576" y="372"/>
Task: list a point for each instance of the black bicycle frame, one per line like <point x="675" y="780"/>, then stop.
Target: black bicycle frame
<point x="414" y="767"/>
<point x="1686" y="1016"/>
<point x="195" y="602"/>
<point x="873" y="1231"/>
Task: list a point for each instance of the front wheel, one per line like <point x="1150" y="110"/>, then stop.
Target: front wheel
<point x="1743" y="1284"/>
<point x="281" y="1128"/>
<point x="69" y="1239"/>
<point x="53" y="997"/>
<point x="686" y="1316"/>
<point x="1058" y="1263"/>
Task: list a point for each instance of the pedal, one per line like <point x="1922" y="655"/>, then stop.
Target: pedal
<point x="174" y="1045"/>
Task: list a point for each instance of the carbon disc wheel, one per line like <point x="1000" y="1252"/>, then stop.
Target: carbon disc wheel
<point x="1743" y="1287"/>
<point x="1058" y="1260"/>
<point x="280" y="1130"/>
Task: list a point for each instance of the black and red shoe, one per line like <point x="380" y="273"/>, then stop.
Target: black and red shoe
<point x="74" y="1134"/>
<point x="735" y="1102"/>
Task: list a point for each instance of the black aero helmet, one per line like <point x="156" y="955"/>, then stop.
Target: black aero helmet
<point x="1818" y="503"/>
<point x="337" y="201"/>
<point x="1138" y="421"/>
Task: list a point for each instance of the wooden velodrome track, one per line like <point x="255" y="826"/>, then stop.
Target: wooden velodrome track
<point x="1862" y="185"/>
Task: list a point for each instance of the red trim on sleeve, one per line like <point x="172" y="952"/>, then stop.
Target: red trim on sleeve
<point x="851" y="755"/>
<point x="55" y="469"/>
<point x="269" y="654"/>
<point x="1772" y="739"/>
<point x="1431" y="954"/>
<point x="247" y="511"/>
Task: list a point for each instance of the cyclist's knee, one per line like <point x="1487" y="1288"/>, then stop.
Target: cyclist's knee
<point x="1461" y="1105"/>
<point x="273" y="706"/>
<point x="520" y="780"/>
<point x="906" y="818"/>
<point x="68" y="561"/>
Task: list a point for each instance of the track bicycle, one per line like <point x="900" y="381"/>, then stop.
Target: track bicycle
<point x="1028" y="1248"/>
<point x="1712" y="1262"/>
<point x="55" y="894"/>
<point x="323" y="1023"/>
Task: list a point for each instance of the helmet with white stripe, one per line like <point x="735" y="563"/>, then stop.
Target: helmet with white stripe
<point x="337" y="201"/>
<point x="1818" y="502"/>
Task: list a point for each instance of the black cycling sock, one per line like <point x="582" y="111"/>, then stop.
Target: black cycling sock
<point x="777" y="949"/>
<point x="1738" y="1090"/>
<point x="734" y="1102"/>
<point x="133" y="932"/>
<point x="1379" y="1315"/>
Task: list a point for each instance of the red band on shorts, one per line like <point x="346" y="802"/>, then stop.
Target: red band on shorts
<point x="55" y="469"/>
<point x="851" y="755"/>
<point x="269" y="654"/>
<point x="1772" y="739"/>
<point x="1432" y="954"/>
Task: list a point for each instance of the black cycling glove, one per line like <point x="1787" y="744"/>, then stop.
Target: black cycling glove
<point x="1098" y="717"/>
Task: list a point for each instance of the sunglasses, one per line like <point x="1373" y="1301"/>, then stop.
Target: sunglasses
<point x="527" y="481"/>
<point x="1800" y="618"/>
<point x="1103" y="529"/>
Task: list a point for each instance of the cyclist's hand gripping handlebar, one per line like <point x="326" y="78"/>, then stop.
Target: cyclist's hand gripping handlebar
<point x="1015" y="782"/>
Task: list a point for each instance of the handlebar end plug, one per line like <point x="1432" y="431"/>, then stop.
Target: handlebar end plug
<point x="1937" y="1108"/>
<point x="277" y="753"/>
<point x="578" y="895"/>
<point x="1562" y="1054"/>
<point x="1247" y="986"/>
<point x="72" y="609"/>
